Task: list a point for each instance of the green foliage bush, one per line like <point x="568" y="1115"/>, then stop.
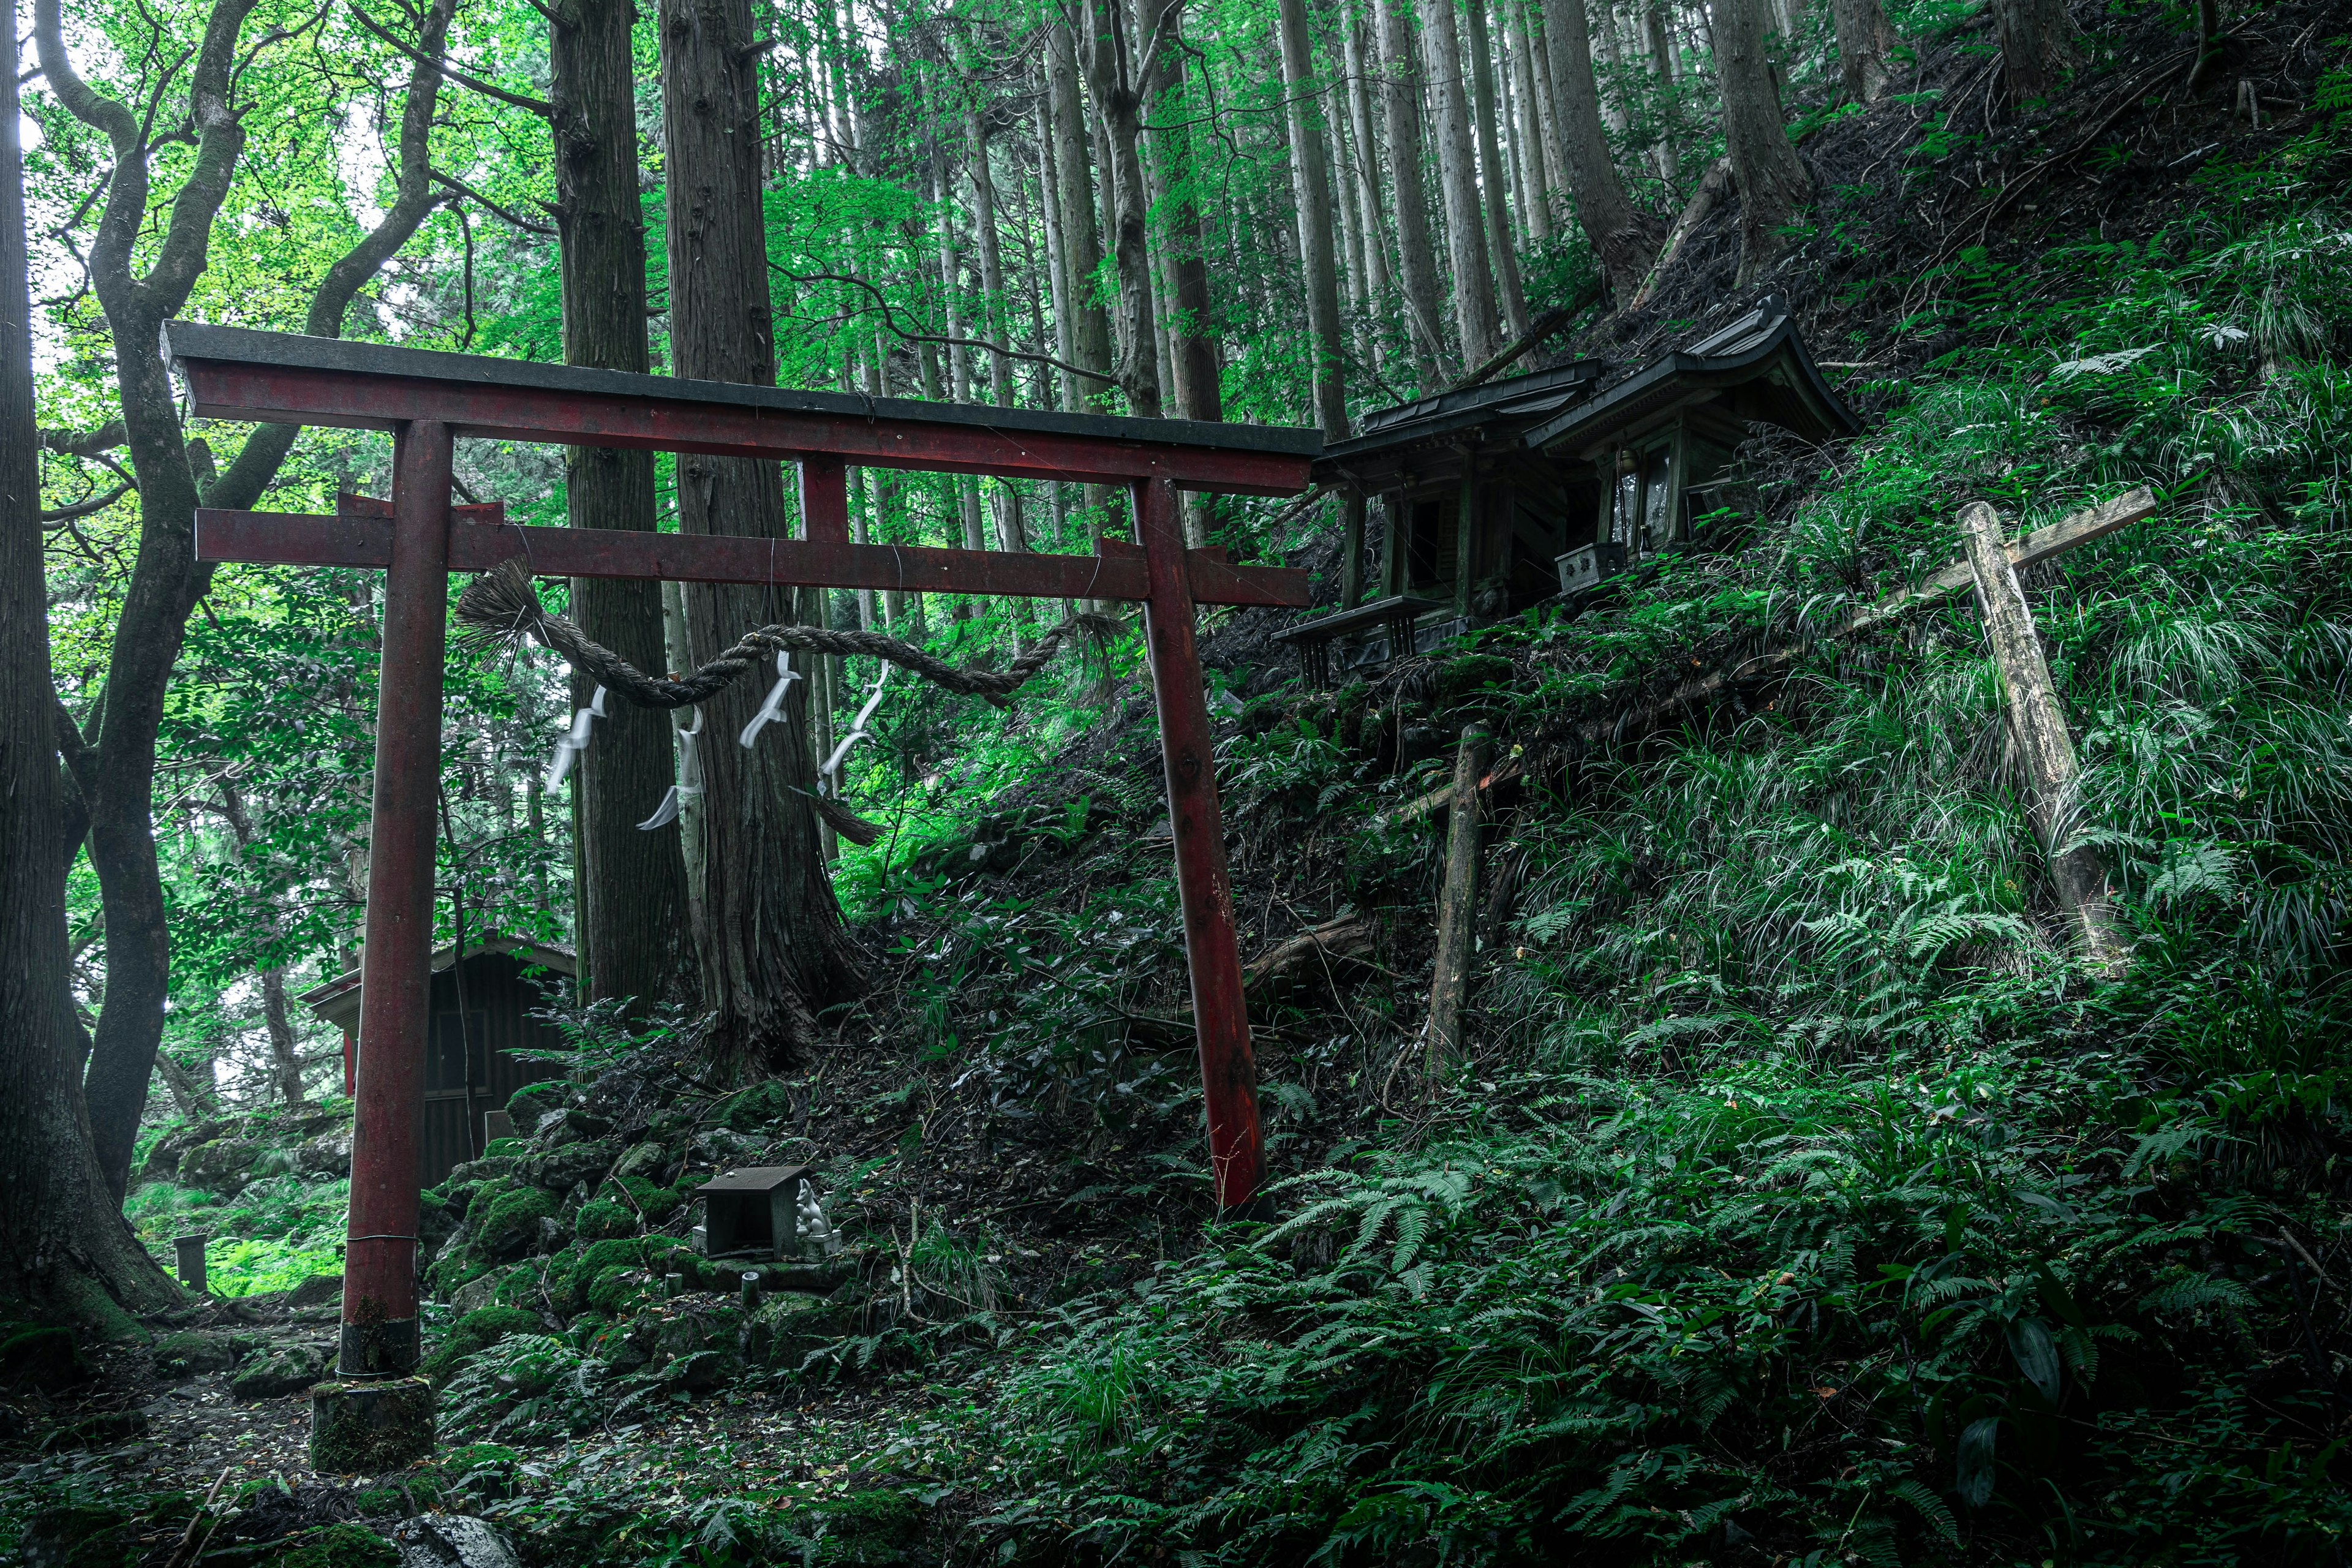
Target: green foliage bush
<point x="474" y="1331"/>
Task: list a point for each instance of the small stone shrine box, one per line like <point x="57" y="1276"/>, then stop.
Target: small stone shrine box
<point x="1657" y="444"/>
<point x="753" y="1210"/>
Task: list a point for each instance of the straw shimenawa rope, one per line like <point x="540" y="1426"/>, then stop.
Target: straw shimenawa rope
<point x="501" y="608"/>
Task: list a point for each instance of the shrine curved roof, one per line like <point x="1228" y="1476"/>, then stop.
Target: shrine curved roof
<point x="1758" y="364"/>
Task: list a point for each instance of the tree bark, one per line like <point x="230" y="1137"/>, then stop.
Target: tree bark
<point x="2037" y="721"/>
<point x="1311" y="188"/>
<point x="1090" y="345"/>
<point x="1661" y="62"/>
<point x="774" y="949"/>
<point x="166" y="580"/>
<point x="1368" y="166"/>
<point x="2039" y="45"/>
<point x="1526" y="135"/>
<point x="1416" y="262"/>
<point x="997" y="328"/>
<point x="1865" y="42"/>
<point x="635" y="935"/>
<point x="285" y="1062"/>
<point x="1474" y="317"/>
<point x="63" y="1249"/>
<point x="1457" y="909"/>
<point x="1773" y="183"/>
<point x="1496" y="177"/>
<point x="1196" y="374"/>
<point x="1619" y="233"/>
<point x="1119" y="103"/>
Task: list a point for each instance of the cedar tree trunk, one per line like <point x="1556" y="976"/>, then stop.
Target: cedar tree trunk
<point x="1416" y="261"/>
<point x="1457" y="177"/>
<point x="634" y="932"/>
<point x="1620" y="236"/>
<point x="774" y="949"/>
<point x="1772" y="180"/>
<point x="1311" y="188"/>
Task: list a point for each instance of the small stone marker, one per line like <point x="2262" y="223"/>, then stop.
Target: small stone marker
<point x="189" y="1252"/>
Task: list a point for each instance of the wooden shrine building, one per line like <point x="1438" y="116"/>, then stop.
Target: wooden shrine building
<point x="471" y="1065"/>
<point x="1495" y="497"/>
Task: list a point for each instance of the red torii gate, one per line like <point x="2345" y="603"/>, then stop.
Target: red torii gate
<point x="427" y="399"/>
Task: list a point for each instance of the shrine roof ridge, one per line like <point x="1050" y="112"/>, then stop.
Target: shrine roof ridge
<point x="1540" y="392"/>
<point x="1724" y="358"/>
<point x="200" y="340"/>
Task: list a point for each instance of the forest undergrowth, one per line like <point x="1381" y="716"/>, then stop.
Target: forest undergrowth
<point x="1804" y="1200"/>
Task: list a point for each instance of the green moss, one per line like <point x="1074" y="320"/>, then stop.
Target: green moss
<point x="656" y="1202"/>
<point x="478" y="1472"/>
<point x="757" y="1106"/>
<point x="531" y="1102"/>
<point x="475" y="1332"/>
<point x="338" y="1546"/>
<point x="1470" y="672"/>
<point x="504" y="1219"/>
<point x="616" y="1291"/>
<point x="605" y="1220"/>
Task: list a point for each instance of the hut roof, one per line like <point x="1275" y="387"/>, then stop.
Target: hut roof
<point x="337" y="1001"/>
<point x="1756" y="370"/>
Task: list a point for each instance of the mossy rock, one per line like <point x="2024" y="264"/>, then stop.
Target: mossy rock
<point x="503" y="1220"/>
<point x="275" y="1373"/>
<point x="757" y="1106"/>
<point x="1458" y="678"/>
<point x="531" y="1102"/>
<point x="188" y="1352"/>
<point x="605" y="1220"/>
<point x="337" y="1546"/>
<point x="475" y="1331"/>
<point x="619" y="1290"/>
<point x="643" y="1160"/>
<point x="656" y="1202"/>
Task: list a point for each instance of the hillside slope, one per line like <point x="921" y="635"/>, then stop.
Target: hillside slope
<point x="1803" y="1200"/>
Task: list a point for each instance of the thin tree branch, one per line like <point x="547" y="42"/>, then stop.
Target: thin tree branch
<point x="84" y="443"/>
<point x="891" y="321"/>
<point x="52" y="517"/>
<point x="537" y="106"/>
<point x="463" y="189"/>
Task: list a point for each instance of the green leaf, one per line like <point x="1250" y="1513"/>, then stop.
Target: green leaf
<point x="1974" y="1480"/>
<point x="2037" y="1355"/>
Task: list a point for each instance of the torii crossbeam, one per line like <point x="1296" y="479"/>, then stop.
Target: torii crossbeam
<point x="427" y="400"/>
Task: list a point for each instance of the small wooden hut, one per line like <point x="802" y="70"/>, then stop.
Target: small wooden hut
<point x="1499" y="497"/>
<point x="471" y="1067"/>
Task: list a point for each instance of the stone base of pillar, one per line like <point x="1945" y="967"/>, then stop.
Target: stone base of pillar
<point x="369" y="1428"/>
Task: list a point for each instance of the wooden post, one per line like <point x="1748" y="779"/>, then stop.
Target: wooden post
<point x="1203" y="887"/>
<point x="1352" y="551"/>
<point x="1457" y="908"/>
<point x="2037" y="722"/>
<point x="380" y="1335"/>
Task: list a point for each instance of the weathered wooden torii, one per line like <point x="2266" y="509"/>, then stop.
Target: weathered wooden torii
<point x="429" y="399"/>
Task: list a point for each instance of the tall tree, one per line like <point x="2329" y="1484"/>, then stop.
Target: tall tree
<point x="633" y="923"/>
<point x="2039" y="45"/>
<point x="1526" y="125"/>
<point x="773" y="948"/>
<point x="114" y="771"/>
<point x="62" y="1247"/>
<point x="1118" y="105"/>
<point x="1475" y="315"/>
<point x="1865" y="46"/>
<point x="1773" y="183"/>
<point x="1416" y="262"/>
<point x="1081" y="237"/>
<point x="1368" y="163"/>
<point x="1312" y="186"/>
<point x="1486" y="116"/>
<point x="1662" y="66"/>
<point x="1194" y="375"/>
<point x="1618" y="232"/>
